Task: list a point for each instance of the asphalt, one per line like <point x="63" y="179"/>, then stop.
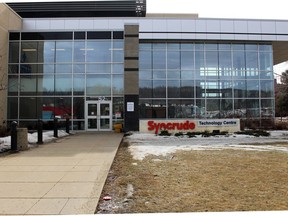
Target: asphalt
<point x="63" y="177"/>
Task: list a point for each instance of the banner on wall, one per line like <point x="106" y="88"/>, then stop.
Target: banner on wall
<point x="189" y="125"/>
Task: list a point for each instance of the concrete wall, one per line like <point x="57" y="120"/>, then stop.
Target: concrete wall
<point x="131" y="77"/>
<point x="9" y="20"/>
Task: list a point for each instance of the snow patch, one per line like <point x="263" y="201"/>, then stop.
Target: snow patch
<point x="142" y="145"/>
<point x="48" y="136"/>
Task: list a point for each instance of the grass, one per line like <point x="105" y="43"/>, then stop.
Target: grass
<point x="197" y="181"/>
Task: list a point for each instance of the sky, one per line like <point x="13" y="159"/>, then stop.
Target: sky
<point x="254" y="9"/>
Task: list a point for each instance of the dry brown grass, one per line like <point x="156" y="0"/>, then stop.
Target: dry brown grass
<point x="226" y="180"/>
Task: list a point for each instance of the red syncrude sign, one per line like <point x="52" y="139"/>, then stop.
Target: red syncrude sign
<point x="170" y="126"/>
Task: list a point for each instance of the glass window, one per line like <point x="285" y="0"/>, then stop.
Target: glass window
<point x="226" y="89"/>
<point x="159" y="89"/>
<point x="98" y="68"/>
<point x="251" y="47"/>
<point x="199" y="60"/>
<point x="49" y="52"/>
<point x="29" y="109"/>
<point x="252" y="61"/>
<point x="253" y="110"/>
<point x="173" y="87"/>
<point x="63" y="51"/>
<point x="63" y="107"/>
<point x="213" y="108"/>
<point x="29" y="52"/>
<point x="225" y="60"/>
<point x="211" y="46"/>
<point x="145" y="108"/>
<point x="159" y="59"/>
<point x="45" y="85"/>
<point x="98" y="51"/>
<point x="47" y="108"/>
<point x="265" y="47"/>
<point x="13" y="69"/>
<point x="79" y="51"/>
<point x="266" y="61"/>
<point x="224" y="46"/>
<point x="79" y="68"/>
<point x="78" y="108"/>
<point x="267" y="88"/>
<point x="172" y="74"/>
<point x="187" y="60"/>
<point x="159" y="109"/>
<point x="145" y="59"/>
<point x="118" y="107"/>
<point x="145" y="74"/>
<point x="174" y="60"/>
<point x="187" y="46"/>
<point x="226" y="108"/>
<point x="28" y="85"/>
<point x="13" y="52"/>
<point x="78" y="84"/>
<point x="118" y="68"/>
<point x="200" y="108"/>
<point x="63" y="84"/>
<point x="159" y="74"/>
<point x="13" y="85"/>
<point x="47" y="68"/>
<point x="252" y="88"/>
<point x="118" y="84"/>
<point x="187" y="75"/>
<point x="63" y="68"/>
<point x="187" y="89"/>
<point x="239" y="64"/>
<point x="239" y="89"/>
<point x="98" y="85"/>
<point x="145" y="88"/>
<point x="12" y="110"/>
<point x="267" y="107"/>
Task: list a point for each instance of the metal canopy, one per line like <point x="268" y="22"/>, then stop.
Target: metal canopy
<point x="122" y="8"/>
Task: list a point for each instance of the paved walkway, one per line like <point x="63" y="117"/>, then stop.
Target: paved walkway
<point x="64" y="177"/>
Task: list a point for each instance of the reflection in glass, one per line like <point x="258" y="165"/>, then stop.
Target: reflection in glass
<point x="63" y="51"/>
<point x="118" y="84"/>
<point x="63" y="84"/>
<point x="98" y="85"/>
<point x="45" y="85"/>
<point x="13" y="52"/>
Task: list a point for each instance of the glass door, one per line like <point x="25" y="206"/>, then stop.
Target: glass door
<point x="98" y="116"/>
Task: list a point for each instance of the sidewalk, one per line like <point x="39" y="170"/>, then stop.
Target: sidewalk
<point x="64" y="177"/>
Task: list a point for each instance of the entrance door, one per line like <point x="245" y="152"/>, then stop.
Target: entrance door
<point x="98" y="116"/>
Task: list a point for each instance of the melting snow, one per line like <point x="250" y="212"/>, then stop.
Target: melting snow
<point x="142" y="145"/>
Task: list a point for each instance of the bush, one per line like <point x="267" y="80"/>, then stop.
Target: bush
<point x="255" y="133"/>
<point x="164" y="133"/>
<point x="179" y="134"/>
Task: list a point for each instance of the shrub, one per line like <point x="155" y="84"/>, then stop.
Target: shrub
<point x="179" y="134"/>
<point x="164" y="133"/>
<point x="255" y="133"/>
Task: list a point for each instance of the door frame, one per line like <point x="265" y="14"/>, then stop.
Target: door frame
<point x="98" y="116"/>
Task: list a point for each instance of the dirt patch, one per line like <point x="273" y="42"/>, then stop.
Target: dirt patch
<point x="197" y="181"/>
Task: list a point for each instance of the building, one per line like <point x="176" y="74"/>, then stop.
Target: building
<point x="102" y="62"/>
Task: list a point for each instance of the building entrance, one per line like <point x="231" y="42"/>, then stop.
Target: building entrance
<point x="98" y="115"/>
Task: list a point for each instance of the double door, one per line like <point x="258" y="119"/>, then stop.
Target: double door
<point x="98" y="116"/>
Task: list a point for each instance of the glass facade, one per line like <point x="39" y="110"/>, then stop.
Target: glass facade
<point x="206" y="80"/>
<point x="54" y="73"/>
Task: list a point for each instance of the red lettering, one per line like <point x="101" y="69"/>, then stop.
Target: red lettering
<point x="192" y="125"/>
<point x="170" y="126"/>
<point x="150" y="125"/>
